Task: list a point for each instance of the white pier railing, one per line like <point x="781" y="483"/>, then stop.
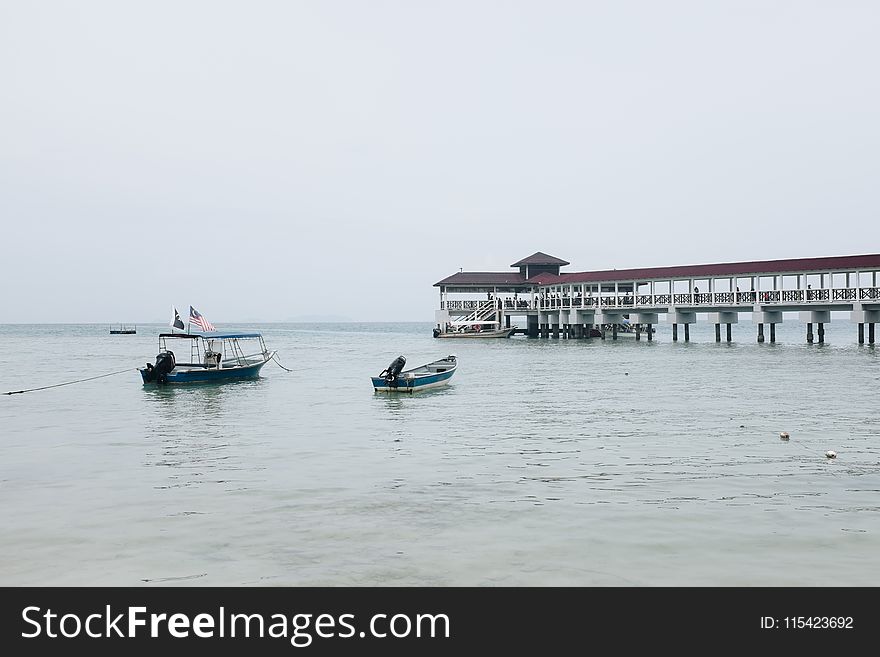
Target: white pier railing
<point x="842" y="296"/>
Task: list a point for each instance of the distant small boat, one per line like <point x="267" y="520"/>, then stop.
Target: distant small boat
<point x="122" y="329"/>
<point x="474" y="330"/>
<point x="395" y="379"/>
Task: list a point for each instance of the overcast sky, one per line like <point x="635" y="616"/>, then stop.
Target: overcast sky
<point x="274" y="160"/>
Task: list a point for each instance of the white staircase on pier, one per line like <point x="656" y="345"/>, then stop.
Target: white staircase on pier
<point x="484" y="313"/>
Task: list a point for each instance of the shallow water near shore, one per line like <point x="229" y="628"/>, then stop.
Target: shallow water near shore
<point x="544" y="462"/>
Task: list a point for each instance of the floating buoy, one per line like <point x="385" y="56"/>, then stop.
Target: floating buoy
<point x="831" y="454"/>
<point x="784" y="435"/>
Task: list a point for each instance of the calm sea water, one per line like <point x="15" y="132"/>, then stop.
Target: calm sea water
<point x="544" y="462"/>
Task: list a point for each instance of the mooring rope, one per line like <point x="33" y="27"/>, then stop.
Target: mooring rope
<point x="275" y="358"/>
<point x="68" y="383"/>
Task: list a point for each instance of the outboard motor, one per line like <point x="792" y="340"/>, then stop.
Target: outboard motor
<point x="165" y="362"/>
<point x="392" y="371"/>
<point x="436" y="332"/>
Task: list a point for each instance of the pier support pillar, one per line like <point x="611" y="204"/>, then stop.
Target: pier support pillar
<point x="809" y="332"/>
<point x="638" y="331"/>
<point x="687" y="332"/>
<point x="507" y="321"/>
<point x="675" y="332"/>
<point x="556" y="331"/>
<point x="614" y="331"/>
<point x="760" y="333"/>
<point x="728" y="332"/>
<point x="861" y="316"/>
<point x="650" y="332"/>
<point x="602" y="328"/>
<point x="532" y="326"/>
<point x="821" y="332"/>
<point x="718" y="333"/>
<point x="772" y="333"/>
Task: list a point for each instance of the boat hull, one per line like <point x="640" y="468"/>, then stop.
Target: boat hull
<point x="503" y="333"/>
<point x="425" y="382"/>
<point x="206" y="375"/>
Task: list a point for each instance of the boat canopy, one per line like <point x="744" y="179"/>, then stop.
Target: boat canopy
<point x="471" y="323"/>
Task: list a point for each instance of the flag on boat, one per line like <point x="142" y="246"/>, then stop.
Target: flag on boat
<point x="176" y="322"/>
<point x="195" y="317"/>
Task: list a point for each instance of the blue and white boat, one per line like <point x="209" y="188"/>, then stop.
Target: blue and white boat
<point x="213" y="356"/>
<point x="395" y="379"/>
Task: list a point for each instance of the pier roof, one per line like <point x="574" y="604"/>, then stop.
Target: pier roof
<point x="483" y="278"/>
<point x="752" y="268"/>
<point x="837" y="264"/>
<point x="539" y="258"/>
<point x="546" y="278"/>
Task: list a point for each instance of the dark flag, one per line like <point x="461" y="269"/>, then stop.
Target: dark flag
<point x="176" y="322"/>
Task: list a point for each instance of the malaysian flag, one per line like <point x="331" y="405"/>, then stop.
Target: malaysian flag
<point x="195" y="317"/>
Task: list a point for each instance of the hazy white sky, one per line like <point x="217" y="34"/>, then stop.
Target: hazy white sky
<point x="270" y="160"/>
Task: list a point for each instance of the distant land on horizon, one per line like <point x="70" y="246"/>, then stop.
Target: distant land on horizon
<point x="298" y="319"/>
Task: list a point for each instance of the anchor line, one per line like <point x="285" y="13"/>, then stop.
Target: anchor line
<point x="278" y="362"/>
<point x="68" y="383"/>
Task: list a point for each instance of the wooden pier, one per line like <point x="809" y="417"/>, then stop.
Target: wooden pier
<point x="543" y="302"/>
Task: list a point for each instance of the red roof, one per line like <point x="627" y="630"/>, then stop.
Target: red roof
<point x="545" y="278"/>
<point x="753" y="268"/>
<point x="870" y="262"/>
<point x="483" y="278"/>
<point x="539" y="258"/>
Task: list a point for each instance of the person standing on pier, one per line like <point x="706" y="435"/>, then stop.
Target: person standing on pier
<point x="696" y="294"/>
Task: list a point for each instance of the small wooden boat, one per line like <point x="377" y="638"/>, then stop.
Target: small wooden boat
<point x="122" y="329"/>
<point x="214" y="357"/>
<point x="474" y="330"/>
<point x="395" y="379"/>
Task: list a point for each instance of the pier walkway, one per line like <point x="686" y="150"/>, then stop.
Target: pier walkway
<point x="549" y="302"/>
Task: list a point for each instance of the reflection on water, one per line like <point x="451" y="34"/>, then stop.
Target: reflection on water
<point x="187" y="437"/>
